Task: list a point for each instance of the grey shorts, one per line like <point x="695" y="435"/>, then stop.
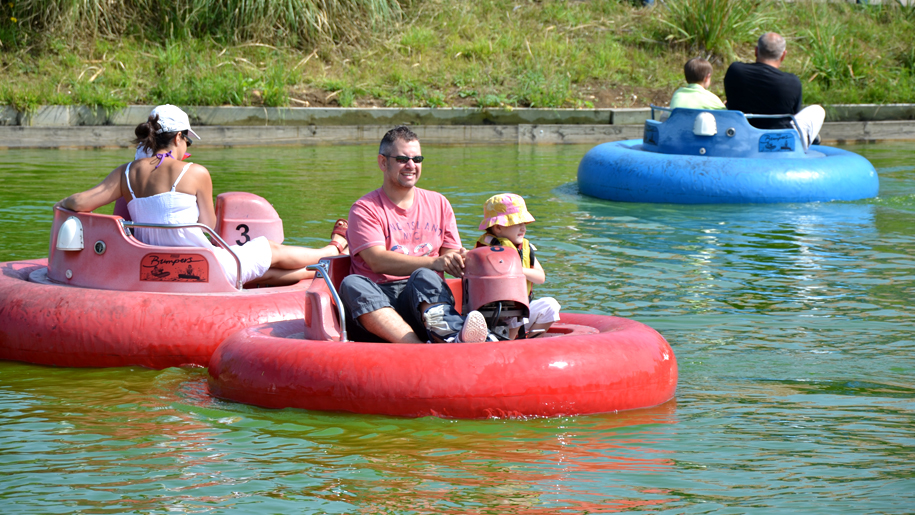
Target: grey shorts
<point x="360" y="296"/>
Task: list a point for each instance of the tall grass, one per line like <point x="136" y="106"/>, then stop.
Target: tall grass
<point x="852" y="53"/>
<point x="481" y="53"/>
<point x="293" y="23"/>
<point x="712" y="26"/>
<point x="832" y="57"/>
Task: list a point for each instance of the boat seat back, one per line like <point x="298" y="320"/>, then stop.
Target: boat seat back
<point x="241" y="217"/>
<point x="718" y="133"/>
<point x="494" y="276"/>
<point x="102" y="255"/>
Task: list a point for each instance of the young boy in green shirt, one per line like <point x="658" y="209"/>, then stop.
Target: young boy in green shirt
<point x="696" y="95"/>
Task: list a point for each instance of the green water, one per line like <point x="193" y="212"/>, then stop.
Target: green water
<point x="792" y="326"/>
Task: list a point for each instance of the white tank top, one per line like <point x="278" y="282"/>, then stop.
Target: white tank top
<point x="170" y="207"/>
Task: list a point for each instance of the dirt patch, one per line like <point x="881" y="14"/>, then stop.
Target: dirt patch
<point x="629" y="96"/>
<point x="600" y="97"/>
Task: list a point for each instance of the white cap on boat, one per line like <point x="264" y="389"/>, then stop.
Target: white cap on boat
<point x="70" y="235"/>
<point x="705" y="124"/>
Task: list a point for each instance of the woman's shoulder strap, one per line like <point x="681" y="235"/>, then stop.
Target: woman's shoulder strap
<point x="127" y="178"/>
<point x="180" y="175"/>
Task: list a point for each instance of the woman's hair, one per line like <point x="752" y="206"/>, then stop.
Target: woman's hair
<point x="149" y="137"/>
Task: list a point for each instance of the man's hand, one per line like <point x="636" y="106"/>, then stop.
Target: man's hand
<point x="383" y="261"/>
<point x="451" y="263"/>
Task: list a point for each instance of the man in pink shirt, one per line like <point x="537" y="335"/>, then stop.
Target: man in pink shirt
<point x="402" y="239"/>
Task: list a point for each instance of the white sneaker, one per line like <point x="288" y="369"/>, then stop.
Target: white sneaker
<point x="434" y="320"/>
<point x="474" y="330"/>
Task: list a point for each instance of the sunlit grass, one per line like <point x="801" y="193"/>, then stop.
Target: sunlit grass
<point x="296" y="23"/>
<point x="713" y="27"/>
<point x="437" y="53"/>
<point x="855" y="54"/>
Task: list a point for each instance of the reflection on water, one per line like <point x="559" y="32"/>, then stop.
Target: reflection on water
<point x="791" y="323"/>
<point x="157" y="435"/>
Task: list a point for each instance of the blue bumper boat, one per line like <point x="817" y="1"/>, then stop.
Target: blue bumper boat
<point x="716" y="157"/>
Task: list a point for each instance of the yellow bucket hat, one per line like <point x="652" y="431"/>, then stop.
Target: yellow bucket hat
<point x="505" y="209"/>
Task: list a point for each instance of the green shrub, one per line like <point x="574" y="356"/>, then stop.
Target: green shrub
<point x="712" y="26"/>
<point x="296" y="23"/>
<point x="484" y="53"/>
<point x="537" y="90"/>
<point x="832" y="56"/>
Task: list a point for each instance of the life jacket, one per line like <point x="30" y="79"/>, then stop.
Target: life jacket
<point x="490" y="240"/>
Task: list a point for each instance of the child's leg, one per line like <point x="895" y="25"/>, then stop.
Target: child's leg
<point x="514" y="326"/>
<point x="544" y="312"/>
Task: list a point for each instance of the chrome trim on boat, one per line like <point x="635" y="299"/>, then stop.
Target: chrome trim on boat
<point x="322" y="269"/>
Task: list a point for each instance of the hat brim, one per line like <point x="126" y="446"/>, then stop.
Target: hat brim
<point x="507" y="220"/>
<point x="192" y="133"/>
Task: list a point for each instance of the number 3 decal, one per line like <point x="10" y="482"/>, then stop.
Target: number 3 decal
<point x="244" y="233"/>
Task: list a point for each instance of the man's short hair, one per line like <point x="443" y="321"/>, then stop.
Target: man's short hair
<point x="401" y="132"/>
<point x="770" y="46"/>
<point x="696" y="70"/>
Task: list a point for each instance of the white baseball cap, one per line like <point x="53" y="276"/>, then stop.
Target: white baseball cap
<point x="172" y="119"/>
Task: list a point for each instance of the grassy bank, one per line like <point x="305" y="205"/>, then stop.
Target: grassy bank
<point x="436" y="53"/>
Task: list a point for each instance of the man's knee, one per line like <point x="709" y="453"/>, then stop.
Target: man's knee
<point x="426" y="275"/>
<point x="360" y="296"/>
<point x="428" y="286"/>
<point x="808" y="122"/>
<point x="813" y="114"/>
<point x="353" y="286"/>
<point x="425" y="279"/>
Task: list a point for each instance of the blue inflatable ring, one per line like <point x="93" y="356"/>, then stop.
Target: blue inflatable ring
<point x="722" y="168"/>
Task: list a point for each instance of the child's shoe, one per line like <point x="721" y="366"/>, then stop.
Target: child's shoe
<point x="474" y="330"/>
<point x="445" y="325"/>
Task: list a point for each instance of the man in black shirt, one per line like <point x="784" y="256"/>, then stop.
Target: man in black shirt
<point x="762" y="88"/>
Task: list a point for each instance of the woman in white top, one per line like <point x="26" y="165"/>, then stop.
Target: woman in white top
<point x="163" y="189"/>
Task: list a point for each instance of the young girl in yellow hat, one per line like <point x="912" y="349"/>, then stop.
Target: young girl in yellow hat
<point x="505" y="219"/>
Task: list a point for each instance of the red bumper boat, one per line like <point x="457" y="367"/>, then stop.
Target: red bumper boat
<point x="583" y="364"/>
<point x="104" y="299"/>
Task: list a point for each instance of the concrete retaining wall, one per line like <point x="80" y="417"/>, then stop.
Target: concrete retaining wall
<point x="70" y="116"/>
<point x="85" y="127"/>
<point x="109" y="136"/>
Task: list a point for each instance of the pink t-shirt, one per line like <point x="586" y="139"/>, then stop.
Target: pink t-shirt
<point x="422" y="230"/>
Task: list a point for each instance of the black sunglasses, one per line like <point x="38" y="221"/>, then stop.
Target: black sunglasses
<point x="188" y="140"/>
<point x="406" y="159"/>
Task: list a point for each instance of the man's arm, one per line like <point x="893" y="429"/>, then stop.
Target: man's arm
<point x="800" y="97"/>
<point x="726" y="82"/>
<point x="382" y="261"/>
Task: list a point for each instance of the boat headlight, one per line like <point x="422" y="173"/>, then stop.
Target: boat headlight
<point x="705" y="125"/>
<point x="70" y="235"/>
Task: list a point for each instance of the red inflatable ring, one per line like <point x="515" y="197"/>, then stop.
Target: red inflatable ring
<point x="585" y="364"/>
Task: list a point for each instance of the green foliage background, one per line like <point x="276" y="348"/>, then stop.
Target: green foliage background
<point x="438" y="53"/>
